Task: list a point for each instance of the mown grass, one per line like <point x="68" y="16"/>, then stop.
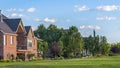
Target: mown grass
<point x="103" y="62"/>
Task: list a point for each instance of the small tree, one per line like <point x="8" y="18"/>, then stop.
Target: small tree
<point x="55" y="49"/>
<point x="45" y="49"/>
<point x="60" y="44"/>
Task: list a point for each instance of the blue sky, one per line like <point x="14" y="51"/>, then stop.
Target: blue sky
<point x="101" y="15"/>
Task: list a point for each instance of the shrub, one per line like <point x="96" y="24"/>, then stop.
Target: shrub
<point x="112" y="54"/>
<point x="30" y="56"/>
<point x="99" y="55"/>
<point x="71" y="55"/>
<point x="8" y="60"/>
<point x="20" y="60"/>
<point x="37" y="59"/>
<point x="59" y="58"/>
<point x="2" y="60"/>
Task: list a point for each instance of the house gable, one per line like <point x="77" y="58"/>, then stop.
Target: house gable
<point x="31" y="33"/>
<point x="20" y="28"/>
<point x="29" y="36"/>
<point x="12" y="23"/>
<point x="15" y="24"/>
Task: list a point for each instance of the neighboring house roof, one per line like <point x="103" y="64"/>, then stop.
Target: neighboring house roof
<point x="27" y="28"/>
<point x="12" y="23"/>
<point x="5" y="28"/>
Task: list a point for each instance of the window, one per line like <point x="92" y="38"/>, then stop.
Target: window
<point x="11" y="39"/>
<point x="4" y="39"/>
<point x="29" y="43"/>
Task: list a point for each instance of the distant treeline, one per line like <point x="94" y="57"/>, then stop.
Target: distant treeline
<point x="68" y="43"/>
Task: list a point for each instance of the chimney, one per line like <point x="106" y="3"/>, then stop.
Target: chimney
<point x="1" y="20"/>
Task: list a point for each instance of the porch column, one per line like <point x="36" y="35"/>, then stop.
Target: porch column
<point x="26" y="58"/>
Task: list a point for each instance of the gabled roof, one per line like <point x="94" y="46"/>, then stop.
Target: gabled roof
<point x="12" y="23"/>
<point x="27" y="28"/>
<point x="5" y="28"/>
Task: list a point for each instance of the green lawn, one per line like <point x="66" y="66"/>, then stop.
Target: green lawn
<point x="105" y="62"/>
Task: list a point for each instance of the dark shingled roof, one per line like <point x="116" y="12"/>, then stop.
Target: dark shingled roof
<point x="5" y="28"/>
<point x="12" y="23"/>
<point x="27" y="28"/>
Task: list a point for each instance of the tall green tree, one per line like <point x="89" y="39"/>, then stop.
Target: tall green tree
<point x="41" y="32"/>
<point x="45" y="49"/>
<point x="91" y="44"/>
<point x="60" y="44"/>
<point x="73" y="42"/>
<point x="105" y="47"/>
<point x="53" y="34"/>
<point x="96" y="45"/>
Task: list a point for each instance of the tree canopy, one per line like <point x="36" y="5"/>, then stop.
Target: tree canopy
<point x="69" y="42"/>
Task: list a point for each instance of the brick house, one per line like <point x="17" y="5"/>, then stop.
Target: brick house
<point x="16" y="39"/>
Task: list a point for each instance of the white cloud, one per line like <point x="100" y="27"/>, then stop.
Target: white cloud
<point x="31" y="9"/>
<point x="15" y="10"/>
<point x="97" y="27"/>
<point x="68" y="20"/>
<point x="81" y="8"/>
<point x="94" y="27"/>
<point x="49" y="20"/>
<point x="82" y="27"/>
<point x="34" y="28"/>
<point x="37" y="19"/>
<point x="106" y="18"/>
<point x="90" y="27"/>
<point x="11" y="9"/>
<point x="13" y="15"/>
<point x="21" y="10"/>
<point x="108" y="8"/>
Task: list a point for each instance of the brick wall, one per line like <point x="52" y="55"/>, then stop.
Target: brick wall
<point x="21" y="39"/>
<point x="10" y="49"/>
<point x="35" y="46"/>
<point x="34" y="43"/>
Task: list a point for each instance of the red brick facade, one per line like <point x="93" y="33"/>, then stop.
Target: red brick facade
<point x="7" y="47"/>
<point x="20" y="43"/>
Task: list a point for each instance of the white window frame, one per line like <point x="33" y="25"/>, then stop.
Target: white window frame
<point x="11" y="39"/>
<point x="30" y="42"/>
